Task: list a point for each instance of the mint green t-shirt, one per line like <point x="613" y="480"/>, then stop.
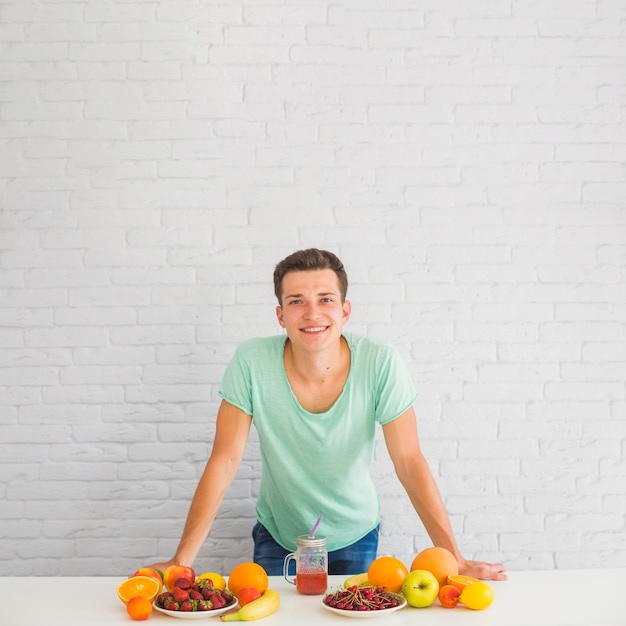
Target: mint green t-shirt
<point x="318" y="463"/>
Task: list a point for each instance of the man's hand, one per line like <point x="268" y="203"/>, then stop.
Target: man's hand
<point x="164" y="565"/>
<point x="482" y="570"/>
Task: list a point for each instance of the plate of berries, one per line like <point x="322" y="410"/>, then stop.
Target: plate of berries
<point x="197" y="600"/>
<point x="363" y="602"/>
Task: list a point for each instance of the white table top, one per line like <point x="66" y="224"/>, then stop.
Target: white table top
<point x="528" y="598"/>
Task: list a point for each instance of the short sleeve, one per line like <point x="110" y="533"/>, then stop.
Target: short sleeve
<point x="236" y="383"/>
<point x="395" y="389"/>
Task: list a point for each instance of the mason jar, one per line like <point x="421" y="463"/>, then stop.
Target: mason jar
<point x="311" y="559"/>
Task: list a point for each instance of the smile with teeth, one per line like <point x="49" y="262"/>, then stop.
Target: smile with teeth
<point x="314" y="329"/>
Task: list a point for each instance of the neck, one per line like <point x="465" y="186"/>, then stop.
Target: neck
<point x="316" y="366"/>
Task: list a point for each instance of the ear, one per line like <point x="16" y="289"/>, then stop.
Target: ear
<point x="347" y="310"/>
<point x="279" y="315"/>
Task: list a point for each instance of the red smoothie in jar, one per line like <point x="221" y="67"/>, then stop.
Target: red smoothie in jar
<point x="311" y="582"/>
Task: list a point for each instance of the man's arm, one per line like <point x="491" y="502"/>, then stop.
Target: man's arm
<point x="231" y="436"/>
<point x="414" y="473"/>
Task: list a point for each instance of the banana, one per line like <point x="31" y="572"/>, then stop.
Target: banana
<point x="261" y="607"/>
<point x="360" y="580"/>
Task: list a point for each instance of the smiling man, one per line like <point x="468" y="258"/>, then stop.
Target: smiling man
<point x="315" y="396"/>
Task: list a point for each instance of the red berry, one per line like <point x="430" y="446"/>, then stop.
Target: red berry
<point x="180" y="595"/>
<point x="186" y="606"/>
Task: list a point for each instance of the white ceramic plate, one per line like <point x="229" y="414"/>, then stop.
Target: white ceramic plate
<point x="401" y="605"/>
<point x="197" y="614"/>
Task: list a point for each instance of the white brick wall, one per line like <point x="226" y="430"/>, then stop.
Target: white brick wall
<point x="466" y="159"/>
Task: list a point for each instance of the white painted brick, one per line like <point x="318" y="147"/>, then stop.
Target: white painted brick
<point x="585" y="390"/>
<point x="11" y="338"/>
<point x="588" y="330"/>
<point x="305" y="13"/>
<point x="604" y="352"/>
<point x="123" y="13"/>
<point x="35" y="376"/>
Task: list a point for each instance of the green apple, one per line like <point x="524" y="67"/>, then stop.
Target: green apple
<point x="420" y="588"/>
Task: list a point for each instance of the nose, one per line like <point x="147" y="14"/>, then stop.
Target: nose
<point x="311" y="310"/>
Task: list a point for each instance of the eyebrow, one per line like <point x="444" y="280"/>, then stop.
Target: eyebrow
<point x="321" y="293"/>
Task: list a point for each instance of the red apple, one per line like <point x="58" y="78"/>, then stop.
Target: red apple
<point x="174" y="572"/>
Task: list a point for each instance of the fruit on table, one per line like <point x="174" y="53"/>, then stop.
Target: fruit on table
<point x="362" y="598"/>
<point x="144" y="586"/>
<point x="477" y="596"/>
<point x="449" y="596"/>
<point x="174" y="572"/>
<point x="360" y="580"/>
<point x="247" y="595"/>
<point x="194" y="596"/>
<point x="388" y="573"/>
<point x="247" y="574"/>
<point x="438" y="561"/>
<point x="420" y="588"/>
<point x="257" y="609"/>
<point x="460" y="582"/>
<point x="139" y="608"/>
<point x="217" y="580"/>
<point x="148" y="571"/>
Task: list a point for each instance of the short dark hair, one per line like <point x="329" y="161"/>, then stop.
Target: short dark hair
<point x="307" y="260"/>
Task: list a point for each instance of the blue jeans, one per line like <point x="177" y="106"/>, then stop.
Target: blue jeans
<point x="353" y="559"/>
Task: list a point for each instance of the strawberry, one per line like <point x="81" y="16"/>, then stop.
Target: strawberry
<point x="186" y="606"/>
<point x="219" y="602"/>
<point x="180" y="595"/>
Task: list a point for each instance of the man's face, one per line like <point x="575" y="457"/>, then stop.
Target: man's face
<point x="312" y="312"/>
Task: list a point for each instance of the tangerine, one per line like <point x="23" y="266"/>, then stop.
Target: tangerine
<point x="438" y="561"/>
<point x="247" y="574"/>
<point x="139" y="608"/>
<point x="388" y="573"/>
<point x="144" y="586"/>
<point x="460" y="582"/>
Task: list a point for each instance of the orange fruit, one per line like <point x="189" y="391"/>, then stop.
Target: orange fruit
<point x="247" y="574"/>
<point x="139" y="608"/>
<point x="248" y="594"/>
<point x="216" y="579"/>
<point x="144" y="586"/>
<point x="388" y="573"/>
<point x="460" y="582"/>
<point x="438" y="561"/>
